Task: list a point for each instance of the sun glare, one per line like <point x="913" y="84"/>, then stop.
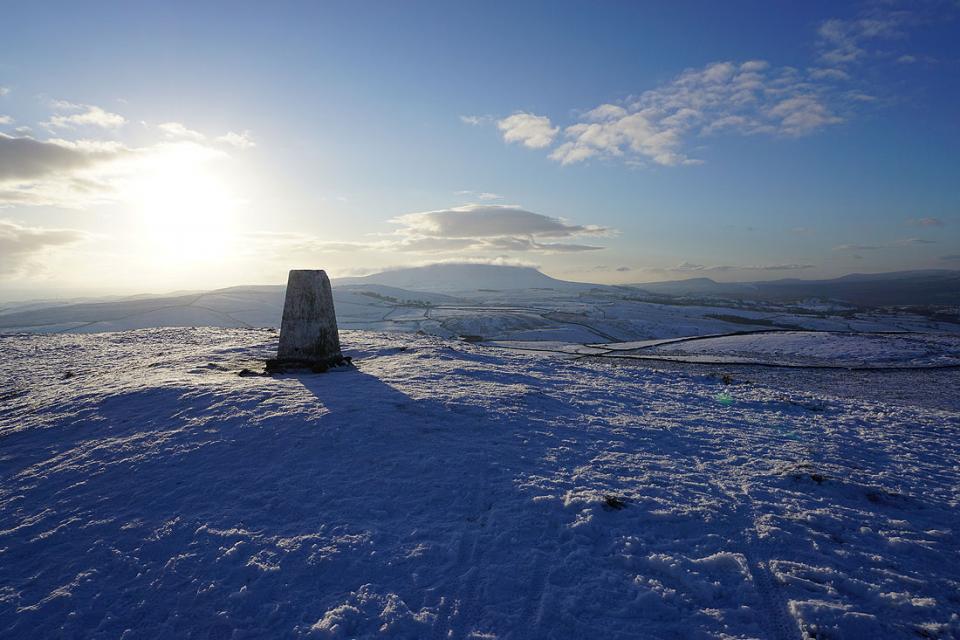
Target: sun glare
<point x="187" y="210"/>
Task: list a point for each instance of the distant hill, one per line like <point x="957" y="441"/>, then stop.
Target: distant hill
<point x="937" y="286"/>
<point x="401" y="296"/>
<point x="695" y="286"/>
<point x="464" y="278"/>
<point x="243" y="306"/>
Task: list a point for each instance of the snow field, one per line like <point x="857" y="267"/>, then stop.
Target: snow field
<point x="442" y="489"/>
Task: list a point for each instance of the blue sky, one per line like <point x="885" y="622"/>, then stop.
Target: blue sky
<point x="183" y="146"/>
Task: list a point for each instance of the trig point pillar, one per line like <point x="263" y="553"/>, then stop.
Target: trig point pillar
<point x="308" y="331"/>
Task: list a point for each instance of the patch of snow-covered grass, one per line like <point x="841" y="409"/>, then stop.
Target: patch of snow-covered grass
<point x="443" y="489"/>
<point x="821" y="348"/>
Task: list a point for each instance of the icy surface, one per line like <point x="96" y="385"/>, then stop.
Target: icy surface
<point x="449" y="490"/>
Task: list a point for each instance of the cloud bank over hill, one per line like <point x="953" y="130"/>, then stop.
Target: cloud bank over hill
<point x="467" y="228"/>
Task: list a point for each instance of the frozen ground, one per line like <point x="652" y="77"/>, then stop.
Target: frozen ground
<point x="449" y="490"/>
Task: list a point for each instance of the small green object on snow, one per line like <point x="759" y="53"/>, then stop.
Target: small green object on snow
<point x="724" y="398"/>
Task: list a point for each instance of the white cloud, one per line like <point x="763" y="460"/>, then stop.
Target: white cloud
<point x="6" y="120"/>
<point x="22" y="246"/>
<point x="828" y="74"/>
<point x="746" y="98"/>
<point x="605" y="112"/>
<point x="4" y="91"/>
<point x="480" y="195"/>
<point x="178" y="130"/>
<point x="82" y="172"/>
<point x="532" y="131"/>
<point x="87" y="115"/>
<point x="801" y="115"/>
<point x="489" y="228"/>
<point x="239" y="140"/>
<point x="479" y="221"/>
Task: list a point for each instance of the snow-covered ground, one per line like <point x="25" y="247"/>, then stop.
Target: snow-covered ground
<point x="799" y="349"/>
<point x="575" y="314"/>
<point x="792" y="347"/>
<point x="448" y="490"/>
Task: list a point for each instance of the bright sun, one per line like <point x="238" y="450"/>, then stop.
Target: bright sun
<point x="187" y="210"/>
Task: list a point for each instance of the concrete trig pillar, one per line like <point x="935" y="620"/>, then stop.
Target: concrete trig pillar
<point x="308" y="330"/>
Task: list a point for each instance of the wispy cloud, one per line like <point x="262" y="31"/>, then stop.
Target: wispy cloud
<point x="857" y="247"/>
<point x="6" y="120"/>
<point x="476" y="121"/>
<point x="22" y="246"/>
<point x="746" y="98"/>
<point x="828" y="73"/>
<point x="905" y="242"/>
<point x="293" y="242"/>
<point x="532" y="131"/>
<point x="925" y="222"/>
<point x="842" y="42"/>
<point x="73" y="115"/>
<point x="692" y="267"/>
<point x="602" y="268"/>
<point x="178" y="130"/>
<point x="479" y="195"/>
<point x="242" y="140"/>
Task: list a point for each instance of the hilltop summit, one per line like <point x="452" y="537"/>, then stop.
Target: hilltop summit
<point x="463" y="277"/>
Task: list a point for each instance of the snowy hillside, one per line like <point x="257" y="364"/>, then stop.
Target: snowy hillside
<point x="465" y="278"/>
<point x="448" y="490"/>
<point x="575" y="314"/>
<point x="933" y="286"/>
